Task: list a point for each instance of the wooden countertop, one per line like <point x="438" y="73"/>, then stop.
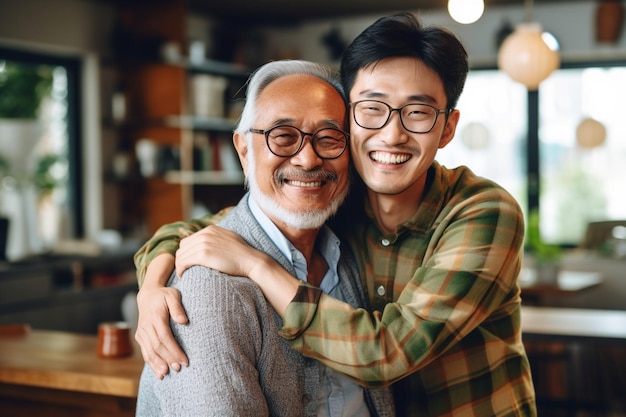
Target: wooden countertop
<point x="67" y="361"/>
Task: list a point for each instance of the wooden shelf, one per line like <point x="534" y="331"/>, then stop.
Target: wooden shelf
<point x="205" y="177"/>
<point x="200" y="123"/>
<point x="209" y="66"/>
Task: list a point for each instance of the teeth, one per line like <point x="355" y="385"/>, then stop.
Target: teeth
<point x="389" y="158"/>
<point x="306" y="184"/>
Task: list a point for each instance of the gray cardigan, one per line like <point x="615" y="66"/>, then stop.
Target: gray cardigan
<point x="238" y="365"/>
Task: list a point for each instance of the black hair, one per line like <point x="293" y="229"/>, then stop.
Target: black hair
<point x="402" y="35"/>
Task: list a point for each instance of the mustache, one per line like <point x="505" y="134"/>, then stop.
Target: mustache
<point x="317" y="175"/>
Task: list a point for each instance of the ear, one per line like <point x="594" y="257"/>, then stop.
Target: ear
<point x="450" y="129"/>
<point x="241" y="145"/>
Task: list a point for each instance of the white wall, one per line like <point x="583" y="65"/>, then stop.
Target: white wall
<point x="73" y="26"/>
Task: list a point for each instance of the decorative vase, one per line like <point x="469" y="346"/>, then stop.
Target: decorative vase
<point x="609" y="21"/>
<point x="18" y="139"/>
<point x="49" y="218"/>
<point x="19" y="205"/>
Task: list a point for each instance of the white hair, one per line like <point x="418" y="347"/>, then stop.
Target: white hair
<point x="272" y="71"/>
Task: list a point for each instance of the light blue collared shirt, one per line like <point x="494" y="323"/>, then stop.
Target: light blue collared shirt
<point x="339" y="396"/>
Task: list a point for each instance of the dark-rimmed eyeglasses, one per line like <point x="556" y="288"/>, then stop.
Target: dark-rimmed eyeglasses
<point x="416" y="118"/>
<point x="285" y="141"/>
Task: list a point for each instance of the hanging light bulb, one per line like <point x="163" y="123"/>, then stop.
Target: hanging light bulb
<point x="466" y="11"/>
<point x="529" y="55"/>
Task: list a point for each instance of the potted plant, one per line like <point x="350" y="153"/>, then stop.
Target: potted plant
<point x="22" y="90"/>
<point x="23" y="87"/>
<point x="546" y="257"/>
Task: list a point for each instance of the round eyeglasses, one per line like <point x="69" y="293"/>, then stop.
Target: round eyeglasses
<point x="416" y="118"/>
<point x="285" y="141"/>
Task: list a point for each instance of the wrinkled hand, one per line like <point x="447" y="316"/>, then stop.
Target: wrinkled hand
<point x="154" y="335"/>
<point x="219" y="249"/>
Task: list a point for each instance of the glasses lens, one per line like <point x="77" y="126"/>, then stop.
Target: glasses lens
<point x="329" y="143"/>
<point x="283" y="140"/>
<point x="371" y="114"/>
<point x="418" y="117"/>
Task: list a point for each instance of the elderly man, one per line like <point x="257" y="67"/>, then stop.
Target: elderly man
<point x="291" y="144"/>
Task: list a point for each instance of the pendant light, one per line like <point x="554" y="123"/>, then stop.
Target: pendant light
<point x="529" y="55"/>
<point x="590" y="133"/>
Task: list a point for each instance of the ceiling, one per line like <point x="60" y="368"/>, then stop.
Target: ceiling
<point x="285" y="10"/>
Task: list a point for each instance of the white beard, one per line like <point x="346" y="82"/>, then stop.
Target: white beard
<point x="309" y="218"/>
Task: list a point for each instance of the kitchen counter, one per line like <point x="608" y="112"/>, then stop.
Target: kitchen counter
<point x="59" y="373"/>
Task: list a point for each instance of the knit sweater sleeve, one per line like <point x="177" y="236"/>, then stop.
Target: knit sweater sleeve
<point x="223" y="341"/>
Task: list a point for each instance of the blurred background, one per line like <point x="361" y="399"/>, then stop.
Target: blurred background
<point x="116" y="117"/>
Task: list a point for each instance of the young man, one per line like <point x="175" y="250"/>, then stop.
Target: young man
<point x="439" y="249"/>
<point x="291" y="144"/>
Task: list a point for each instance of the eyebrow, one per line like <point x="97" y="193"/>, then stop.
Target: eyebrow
<point x="423" y="98"/>
<point x="323" y="123"/>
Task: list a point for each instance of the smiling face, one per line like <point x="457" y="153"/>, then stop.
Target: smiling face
<point x="303" y="190"/>
<point x="392" y="160"/>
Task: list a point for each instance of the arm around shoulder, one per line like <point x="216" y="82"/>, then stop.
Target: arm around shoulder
<point x="167" y="239"/>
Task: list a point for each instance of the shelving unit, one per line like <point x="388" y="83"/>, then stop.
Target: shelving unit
<point x="218" y="130"/>
<point x="159" y="99"/>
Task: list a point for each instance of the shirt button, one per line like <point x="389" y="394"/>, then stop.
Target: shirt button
<point x="385" y="242"/>
<point x="380" y="290"/>
<point x="306" y="399"/>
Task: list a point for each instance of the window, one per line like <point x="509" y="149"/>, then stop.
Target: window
<point x="579" y="183"/>
<point x="528" y="143"/>
<point x="491" y="134"/>
<point x="40" y="179"/>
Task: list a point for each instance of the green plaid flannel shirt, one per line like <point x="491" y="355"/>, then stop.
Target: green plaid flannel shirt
<point x="446" y="327"/>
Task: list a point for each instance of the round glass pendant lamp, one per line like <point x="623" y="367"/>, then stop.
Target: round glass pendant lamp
<point x="590" y="133"/>
<point x="529" y="55"/>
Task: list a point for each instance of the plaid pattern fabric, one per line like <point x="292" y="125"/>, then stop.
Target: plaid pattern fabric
<point x="167" y="238"/>
<point x="448" y="306"/>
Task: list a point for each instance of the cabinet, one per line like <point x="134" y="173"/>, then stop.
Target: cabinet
<point x="70" y="293"/>
<point x="171" y="104"/>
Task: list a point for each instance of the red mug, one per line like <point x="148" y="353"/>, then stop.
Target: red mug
<point x="114" y="340"/>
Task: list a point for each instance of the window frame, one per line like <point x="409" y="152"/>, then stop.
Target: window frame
<point x="73" y="69"/>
